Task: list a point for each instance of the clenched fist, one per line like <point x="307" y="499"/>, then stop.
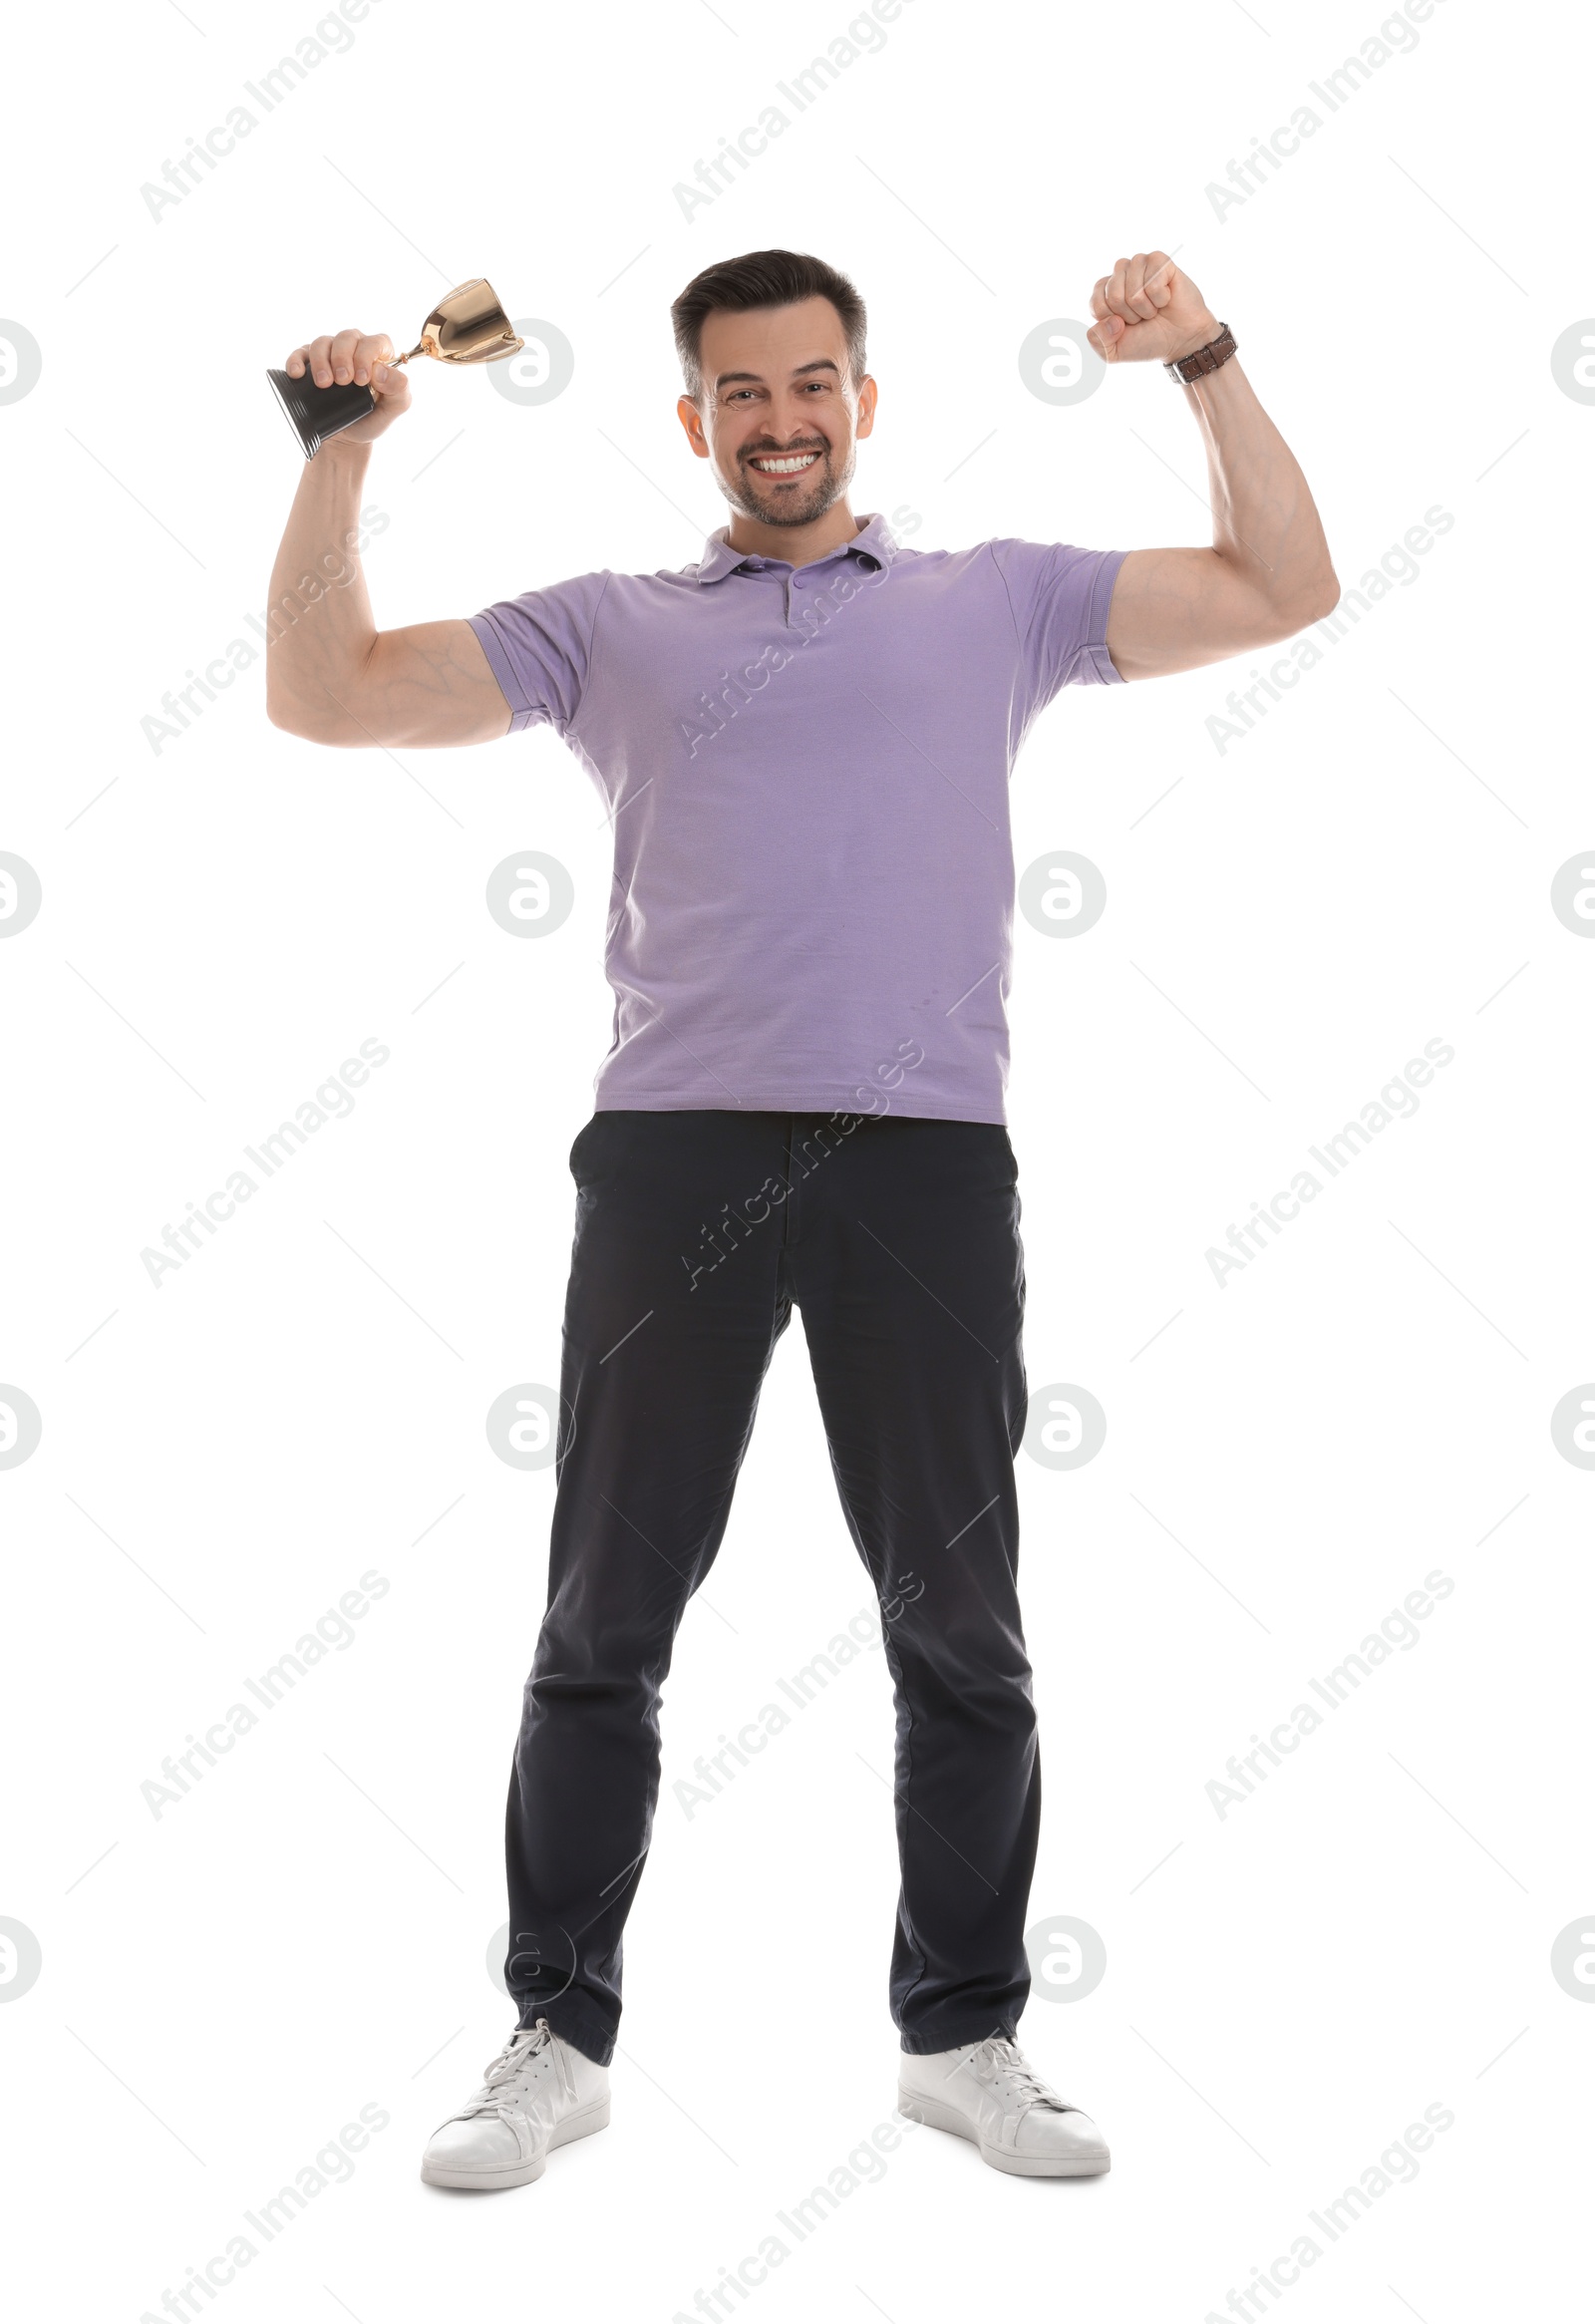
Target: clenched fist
<point x="368" y="360"/>
<point x="1146" y="310"/>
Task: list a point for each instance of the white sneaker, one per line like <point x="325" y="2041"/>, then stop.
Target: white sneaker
<point x="536" y="2093"/>
<point x="989" y="2093"/>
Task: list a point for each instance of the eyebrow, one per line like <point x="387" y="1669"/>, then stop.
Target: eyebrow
<point x="822" y="363"/>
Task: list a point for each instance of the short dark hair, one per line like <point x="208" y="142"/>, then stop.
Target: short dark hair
<point x="763" y="278"/>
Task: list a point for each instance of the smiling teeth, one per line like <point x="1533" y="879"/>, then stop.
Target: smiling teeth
<point x="786" y="466"/>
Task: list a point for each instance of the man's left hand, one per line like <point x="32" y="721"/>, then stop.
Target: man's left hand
<point x="1147" y="311"/>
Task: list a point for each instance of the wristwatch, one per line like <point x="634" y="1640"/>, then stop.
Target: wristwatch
<point x="1203" y="359"/>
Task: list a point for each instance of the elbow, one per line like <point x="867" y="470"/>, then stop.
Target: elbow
<point x="285" y="707"/>
<point x="1314" y="602"/>
<point x="291" y="715"/>
<point x="1323" y="598"/>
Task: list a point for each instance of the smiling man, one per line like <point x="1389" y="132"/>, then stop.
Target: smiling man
<point x="803" y="742"/>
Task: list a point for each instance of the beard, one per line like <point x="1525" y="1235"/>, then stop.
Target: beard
<point x="794" y="499"/>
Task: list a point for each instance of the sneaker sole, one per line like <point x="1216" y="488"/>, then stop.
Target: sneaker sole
<point x="577" y="2125"/>
<point x="937" y="2117"/>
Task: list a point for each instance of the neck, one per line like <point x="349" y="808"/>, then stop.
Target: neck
<point x="797" y="545"/>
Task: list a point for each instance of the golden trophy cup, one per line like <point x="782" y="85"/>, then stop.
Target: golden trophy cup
<point x="469" y="326"/>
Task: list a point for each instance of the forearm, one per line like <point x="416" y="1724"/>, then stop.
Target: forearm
<point x="1266" y="526"/>
<point x="321" y="628"/>
<point x="1268" y="573"/>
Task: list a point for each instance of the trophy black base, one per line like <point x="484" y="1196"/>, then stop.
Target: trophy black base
<point x="315" y="413"/>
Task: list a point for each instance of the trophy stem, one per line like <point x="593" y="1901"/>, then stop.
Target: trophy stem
<point x="420" y="349"/>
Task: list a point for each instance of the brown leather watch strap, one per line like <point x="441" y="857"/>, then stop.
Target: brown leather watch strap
<point x="1203" y="359"/>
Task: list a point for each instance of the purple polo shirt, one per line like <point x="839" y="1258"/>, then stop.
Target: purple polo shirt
<point x="808" y="773"/>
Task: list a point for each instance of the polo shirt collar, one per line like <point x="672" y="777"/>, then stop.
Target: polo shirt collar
<point x="875" y="540"/>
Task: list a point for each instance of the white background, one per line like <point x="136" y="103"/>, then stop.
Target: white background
<point x="1288" y="1987"/>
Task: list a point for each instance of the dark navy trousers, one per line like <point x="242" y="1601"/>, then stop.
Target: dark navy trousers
<point x="697" y="1234"/>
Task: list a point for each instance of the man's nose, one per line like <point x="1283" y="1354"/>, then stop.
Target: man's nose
<point x="793" y="425"/>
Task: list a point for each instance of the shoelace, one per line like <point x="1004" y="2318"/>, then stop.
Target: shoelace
<point x="526" y="2048"/>
<point x="999" y="2055"/>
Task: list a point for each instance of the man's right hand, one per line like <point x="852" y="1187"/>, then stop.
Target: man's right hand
<point x="367" y="360"/>
<point x="331" y="675"/>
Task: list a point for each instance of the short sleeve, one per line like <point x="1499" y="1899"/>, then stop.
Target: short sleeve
<point x="1060" y="597"/>
<point x="541" y="648"/>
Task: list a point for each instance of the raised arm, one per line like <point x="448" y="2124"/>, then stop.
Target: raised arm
<point x="1268" y="573"/>
<point x="331" y="675"/>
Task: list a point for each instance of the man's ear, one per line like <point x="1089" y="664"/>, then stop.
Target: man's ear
<point x="687" y="413"/>
<point x="866" y="407"/>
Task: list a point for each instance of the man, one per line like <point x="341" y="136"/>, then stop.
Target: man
<point x="803" y="742"/>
